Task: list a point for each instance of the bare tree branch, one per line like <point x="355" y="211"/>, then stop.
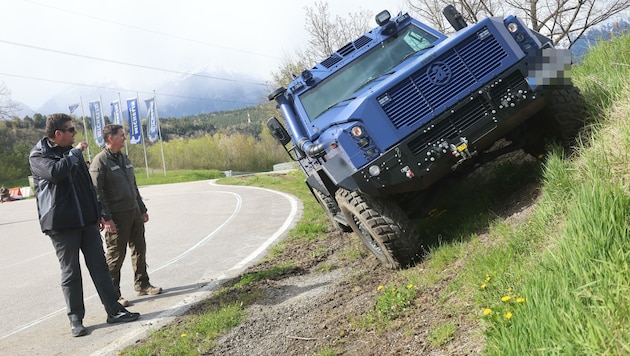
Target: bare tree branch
<point x="564" y="21"/>
<point x="326" y="36"/>
<point x="7" y="106"/>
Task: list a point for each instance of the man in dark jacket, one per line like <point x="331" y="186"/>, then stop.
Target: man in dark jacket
<point x="123" y="211"/>
<point x="69" y="214"/>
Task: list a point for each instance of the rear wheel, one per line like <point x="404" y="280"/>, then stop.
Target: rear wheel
<point x="566" y="110"/>
<point x="560" y="121"/>
<point x="383" y="227"/>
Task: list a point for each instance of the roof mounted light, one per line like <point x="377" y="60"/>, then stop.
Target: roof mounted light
<point x="383" y="17"/>
<point x="512" y="27"/>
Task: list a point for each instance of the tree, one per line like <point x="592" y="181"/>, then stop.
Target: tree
<point x="564" y="21"/>
<point x="39" y="121"/>
<point x="7" y="106"/>
<point x="326" y="36"/>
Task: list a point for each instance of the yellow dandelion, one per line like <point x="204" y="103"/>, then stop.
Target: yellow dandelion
<point x="520" y="300"/>
<point x="487" y="278"/>
<point x="508" y="315"/>
<point x="393" y="289"/>
<point x="506" y="298"/>
<point x="410" y="285"/>
<point x="483" y="286"/>
<point x="510" y="289"/>
<point x="184" y="335"/>
<point x="379" y="288"/>
<point x="487" y="311"/>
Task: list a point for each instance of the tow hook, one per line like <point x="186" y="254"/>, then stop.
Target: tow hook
<point x="407" y="171"/>
<point x="461" y="151"/>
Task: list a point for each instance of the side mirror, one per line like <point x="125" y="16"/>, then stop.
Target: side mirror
<point x="454" y="17"/>
<point x="383" y="17"/>
<point x="278" y="131"/>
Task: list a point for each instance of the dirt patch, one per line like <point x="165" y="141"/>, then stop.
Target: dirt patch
<point x="317" y="306"/>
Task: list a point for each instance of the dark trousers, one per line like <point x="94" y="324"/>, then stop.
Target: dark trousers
<point x="67" y="244"/>
<point x="130" y="231"/>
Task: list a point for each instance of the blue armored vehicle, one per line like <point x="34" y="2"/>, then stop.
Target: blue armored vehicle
<point x="398" y="109"/>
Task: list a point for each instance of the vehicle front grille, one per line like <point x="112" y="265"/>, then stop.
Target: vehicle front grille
<point x="464" y="118"/>
<point x="430" y="89"/>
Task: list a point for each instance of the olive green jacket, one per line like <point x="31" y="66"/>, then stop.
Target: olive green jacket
<point x="115" y="183"/>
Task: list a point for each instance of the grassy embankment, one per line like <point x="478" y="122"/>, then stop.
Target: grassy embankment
<point x="556" y="283"/>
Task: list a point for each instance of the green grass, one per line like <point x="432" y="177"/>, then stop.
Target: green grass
<point x="569" y="262"/>
<point x="194" y="335"/>
<point x="274" y="272"/>
<point x="155" y="177"/>
<point x="174" y="176"/>
<point x="556" y="283"/>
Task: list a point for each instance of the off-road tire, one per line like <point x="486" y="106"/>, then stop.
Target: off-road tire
<point x="331" y="209"/>
<point x="383" y="227"/>
<point x="566" y="110"/>
<point x="560" y="121"/>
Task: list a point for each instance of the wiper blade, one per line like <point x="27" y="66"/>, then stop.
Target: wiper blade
<point x="371" y="79"/>
<point x="337" y="103"/>
<point x="410" y="54"/>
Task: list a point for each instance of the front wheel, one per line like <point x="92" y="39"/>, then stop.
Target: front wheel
<point x="332" y="211"/>
<point x="383" y="227"/>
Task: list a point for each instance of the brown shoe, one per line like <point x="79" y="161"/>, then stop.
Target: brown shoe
<point x="122" y="301"/>
<point x="150" y="290"/>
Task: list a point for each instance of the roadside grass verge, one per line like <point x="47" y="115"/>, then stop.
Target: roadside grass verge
<point x="560" y="282"/>
<point x="555" y="282"/>
<point x="155" y="177"/>
<point x="174" y="176"/>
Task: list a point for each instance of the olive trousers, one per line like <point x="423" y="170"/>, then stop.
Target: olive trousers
<point x="130" y="232"/>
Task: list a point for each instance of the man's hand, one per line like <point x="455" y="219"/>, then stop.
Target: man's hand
<point x="110" y="226"/>
<point x="145" y="217"/>
<point x="82" y="145"/>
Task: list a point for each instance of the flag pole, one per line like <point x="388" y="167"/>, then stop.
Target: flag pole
<point x="123" y="122"/>
<point x="100" y="99"/>
<point x="144" y="147"/>
<point x="85" y="129"/>
<point x="157" y="120"/>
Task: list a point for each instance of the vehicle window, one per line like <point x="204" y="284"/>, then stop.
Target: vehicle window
<point x="375" y="63"/>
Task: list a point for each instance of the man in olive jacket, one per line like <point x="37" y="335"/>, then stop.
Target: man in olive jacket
<point x="122" y="210"/>
<point x="69" y="215"/>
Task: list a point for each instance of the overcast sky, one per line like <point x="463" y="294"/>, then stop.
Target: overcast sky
<point x="48" y="46"/>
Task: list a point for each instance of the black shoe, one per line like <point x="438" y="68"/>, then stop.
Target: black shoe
<point x="77" y="328"/>
<point x="122" y="316"/>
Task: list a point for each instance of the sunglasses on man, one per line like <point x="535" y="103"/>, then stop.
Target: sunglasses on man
<point x="71" y="129"/>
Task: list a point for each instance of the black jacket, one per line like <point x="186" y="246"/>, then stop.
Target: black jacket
<point x="65" y="196"/>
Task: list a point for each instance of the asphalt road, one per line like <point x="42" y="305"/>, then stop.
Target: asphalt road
<point x="199" y="235"/>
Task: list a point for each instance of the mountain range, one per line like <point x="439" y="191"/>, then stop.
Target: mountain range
<point x="194" y="94"/>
